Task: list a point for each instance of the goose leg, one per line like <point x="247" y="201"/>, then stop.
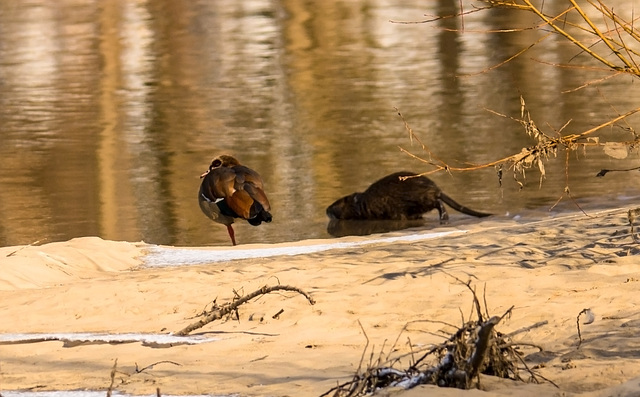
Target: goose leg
<point x="231" y="234"/>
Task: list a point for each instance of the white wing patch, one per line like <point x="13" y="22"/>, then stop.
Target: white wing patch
<point x="217" y="200"/>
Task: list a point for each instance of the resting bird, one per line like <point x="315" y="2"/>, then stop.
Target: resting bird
<point x="230" y="190"/>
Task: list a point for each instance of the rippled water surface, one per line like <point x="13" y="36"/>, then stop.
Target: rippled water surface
<point x="110" y="111"/>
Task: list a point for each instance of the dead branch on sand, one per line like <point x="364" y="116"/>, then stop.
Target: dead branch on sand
<point x="113" y="377"/>
<point x="476" y="348"/>
<point x="139" y="370"/>
<point x="632" y="215"/>
<point x="218" y="312"/>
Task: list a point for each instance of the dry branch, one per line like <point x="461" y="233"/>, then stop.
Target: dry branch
<point x="603" y="171"/>
<point x="474" y="348"/>
<point x="632" y="215"/>
<point x="150" y="366"/>
<point x="533" y="156"/>
<point x="113" y="377"/>
<point x="37" y="242"/>
<point x="612" y="41"/>
<point x="218" y="312"/>
<point x="615" y="40"/>
<point x="482" y="346"/>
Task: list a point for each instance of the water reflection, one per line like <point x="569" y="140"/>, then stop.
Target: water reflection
<point x="110" y="111"/>
<point x="341" y="228"/>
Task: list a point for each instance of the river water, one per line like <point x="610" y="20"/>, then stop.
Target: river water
<point x="110" y="111"/>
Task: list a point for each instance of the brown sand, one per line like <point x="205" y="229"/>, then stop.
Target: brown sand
<point x="550" y="271"/>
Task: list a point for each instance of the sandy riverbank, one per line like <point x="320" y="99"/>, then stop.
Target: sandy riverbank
<point x="550" y="271"/>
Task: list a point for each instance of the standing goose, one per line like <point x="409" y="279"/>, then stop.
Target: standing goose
<point x="230" y="190"/>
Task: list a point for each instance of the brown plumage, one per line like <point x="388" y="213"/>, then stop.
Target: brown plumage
<point x="230" y="190"/>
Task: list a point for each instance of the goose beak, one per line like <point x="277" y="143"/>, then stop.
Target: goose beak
<point x="204" y="174"/>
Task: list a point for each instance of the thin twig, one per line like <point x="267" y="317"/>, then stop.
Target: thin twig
<point x="527" y="329"/>
<point x="584" y="311"/>
<point x="25" y="246"/>
<point x="113" y="377"/>
<point x="219" y="312"/>
<point x="150" y="366"/>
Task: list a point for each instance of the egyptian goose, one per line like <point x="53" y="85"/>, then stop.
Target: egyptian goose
<point x="230" y="190"/>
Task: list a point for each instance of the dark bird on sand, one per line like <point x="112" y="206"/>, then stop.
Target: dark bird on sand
<point x="400" y="196"/>
<point x="230" y="190"/>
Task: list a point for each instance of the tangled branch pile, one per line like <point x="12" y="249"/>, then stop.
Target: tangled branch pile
<point x="476" y="348"/>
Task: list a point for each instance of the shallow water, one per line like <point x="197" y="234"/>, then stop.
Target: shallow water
<point x="109" y="112"/>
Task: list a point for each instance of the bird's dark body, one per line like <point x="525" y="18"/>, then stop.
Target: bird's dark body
<point x="230" y="191"/>
<point x="396" y="198"/>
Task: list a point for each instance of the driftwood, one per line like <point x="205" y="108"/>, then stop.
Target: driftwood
<point x="218" y="312"/>
<point x="475" y="348"/>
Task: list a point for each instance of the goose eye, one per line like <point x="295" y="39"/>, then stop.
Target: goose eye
<point x="216" y="163"/>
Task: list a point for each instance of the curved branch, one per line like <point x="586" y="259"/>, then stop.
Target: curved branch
<point x="219" y="312"/>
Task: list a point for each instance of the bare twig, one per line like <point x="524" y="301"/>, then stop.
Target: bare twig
<point x="217" y="313"/>
<point x="632" y="215"/>
<point x="150" y="366"/>
<point x="25" y="246"/>
<point x="529" y="328"/>
<point x="113" y="378"/>
<point x="586" y="312"/>
<point x="603" y="171"/>
<point x="277" y="315"/>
